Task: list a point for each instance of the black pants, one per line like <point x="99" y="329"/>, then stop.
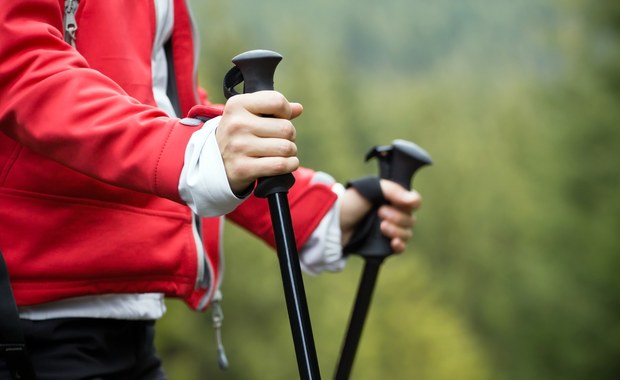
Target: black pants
<point x="88" y="348"/>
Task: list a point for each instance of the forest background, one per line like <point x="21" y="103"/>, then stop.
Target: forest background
<point x="512" y="273"/>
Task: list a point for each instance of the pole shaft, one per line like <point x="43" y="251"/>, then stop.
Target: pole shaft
<point x="292" y="282"/>
<point x="358" y="317"/>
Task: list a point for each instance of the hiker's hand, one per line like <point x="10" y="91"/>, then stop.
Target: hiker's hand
<point x="397" y="219"/>
<point x="257" y="138"/>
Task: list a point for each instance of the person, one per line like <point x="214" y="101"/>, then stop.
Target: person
<point x="116" y="173"/>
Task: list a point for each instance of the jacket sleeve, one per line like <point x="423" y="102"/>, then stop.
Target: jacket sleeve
<point x="52" y="102"/>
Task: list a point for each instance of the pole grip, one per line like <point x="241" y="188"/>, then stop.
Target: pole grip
<point x="256" y="70"/>
<point x="397" y="162"/>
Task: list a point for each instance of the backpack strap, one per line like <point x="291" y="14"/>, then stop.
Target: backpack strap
<point x="12" y="343"/>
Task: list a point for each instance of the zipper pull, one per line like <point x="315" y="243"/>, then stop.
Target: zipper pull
<point x="70" y="21"/>
<point x="218" y="317"/>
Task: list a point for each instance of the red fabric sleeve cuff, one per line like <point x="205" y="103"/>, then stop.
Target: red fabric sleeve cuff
<point x="172" y="155"/>
<point x="308" y="202"/>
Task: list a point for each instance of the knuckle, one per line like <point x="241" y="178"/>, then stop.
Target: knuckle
<point x="236" y="125"/>
<point x="285" y="165"/>
<point x="280" y="101"/>
<point x="240" y="171"/>
<point x="280" y="166"/>
<point x="234" y="102"/>
<point x="229" y="127"/>
<point x="287" y="149"/>
<point x="236" y="147"/>
<point x="288" y="130"/>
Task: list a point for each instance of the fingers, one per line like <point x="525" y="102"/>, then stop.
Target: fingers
<point x="270" y="103"/>
<point x="254" y="145"/>
<point x="397" y="219"/>
<point x="396" y="225"/>
<point x="263" y="114"/>
<point x="259" y="147"/>
<point x="244" y="172"/>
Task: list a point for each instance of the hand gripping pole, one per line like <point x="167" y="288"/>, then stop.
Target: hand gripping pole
<point x="256" y="69"/>
<point x="398" y="163"/>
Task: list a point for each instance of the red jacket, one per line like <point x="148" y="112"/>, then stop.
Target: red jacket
<point x="89" y="167"/>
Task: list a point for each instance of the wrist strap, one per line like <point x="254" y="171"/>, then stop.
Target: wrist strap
<point x="370" y="188"/>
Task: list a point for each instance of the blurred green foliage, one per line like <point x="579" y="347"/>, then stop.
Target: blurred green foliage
<point x="512" y="271"/>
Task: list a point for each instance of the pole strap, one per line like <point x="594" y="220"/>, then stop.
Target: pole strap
<point x="12" y="342"/>
<point x="369" y="188"/>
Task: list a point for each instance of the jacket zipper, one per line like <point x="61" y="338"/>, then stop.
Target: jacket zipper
<point x="70" y="22"/>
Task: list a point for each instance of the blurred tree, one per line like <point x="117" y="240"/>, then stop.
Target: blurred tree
<point x="512" y="270"/>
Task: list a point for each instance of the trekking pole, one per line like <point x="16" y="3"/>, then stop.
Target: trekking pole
<point x="398" y="163"/>
<point x="256" y="69"/>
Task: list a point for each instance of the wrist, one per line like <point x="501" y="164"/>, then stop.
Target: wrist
<point x="353" y="208"/>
